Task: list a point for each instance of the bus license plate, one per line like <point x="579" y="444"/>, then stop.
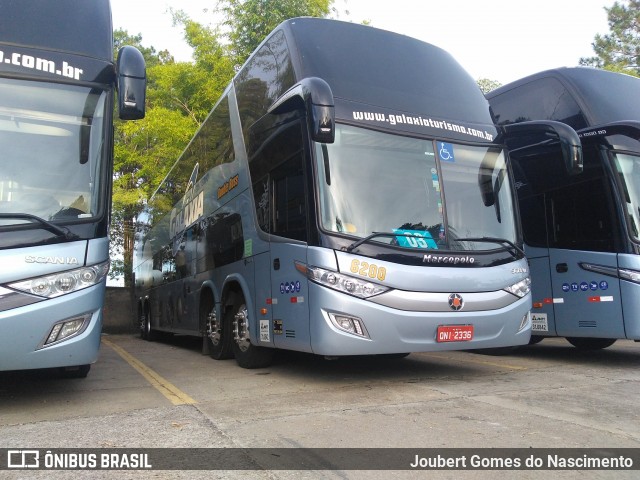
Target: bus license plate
<point x="455" y="333"/>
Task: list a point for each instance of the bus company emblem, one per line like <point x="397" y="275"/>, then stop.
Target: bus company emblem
<point x="455" y="302"/>
<point x="54" y="260"/>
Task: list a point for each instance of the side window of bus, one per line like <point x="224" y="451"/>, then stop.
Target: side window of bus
<point x="289" y="218"/>
<point x="542" y="99"/>
<point x="581" y="217"/>
<point x="277" y="177"/>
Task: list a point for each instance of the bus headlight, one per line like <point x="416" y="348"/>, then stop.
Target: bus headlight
<point x="51" y="286"/>
<point x="631" y="275"/>
<point x="343" y="283"/>
<point x="520" y="289"/>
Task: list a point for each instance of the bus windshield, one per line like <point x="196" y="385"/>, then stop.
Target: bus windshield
<point x="376" y="182"/>
<point x="51" y="139"/>
<point x="628" y="167"/>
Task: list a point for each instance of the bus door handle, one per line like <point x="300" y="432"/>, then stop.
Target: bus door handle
<point x="562" y="267"/>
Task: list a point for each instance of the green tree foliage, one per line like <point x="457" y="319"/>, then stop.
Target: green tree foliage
<point x="249" y="21"/>
<point x="179" y="98"/>
<point x="619" y="50"/>
<point x="486" y="84"/>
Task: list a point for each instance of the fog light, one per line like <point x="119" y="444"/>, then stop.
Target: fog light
<point x="67" y="329"/>
<point x="349" y="324"/>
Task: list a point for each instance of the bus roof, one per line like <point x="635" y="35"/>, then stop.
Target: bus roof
<point x="602" y="96"/>
<point x="75" y="26"/>
<point x="367" y="66"/>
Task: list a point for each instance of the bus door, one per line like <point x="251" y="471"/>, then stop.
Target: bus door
<point x="586" y="300"/>
<point x="542" y="315"/>
<point x="584" y="274"/>
<point x="289" y="287"/>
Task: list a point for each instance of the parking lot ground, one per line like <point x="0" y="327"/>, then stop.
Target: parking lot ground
<point x="166" y="394"/>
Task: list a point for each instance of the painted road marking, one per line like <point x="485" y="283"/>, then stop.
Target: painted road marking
<point x="166" y="388"/>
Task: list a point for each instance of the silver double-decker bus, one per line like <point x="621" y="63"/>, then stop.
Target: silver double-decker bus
<point x="349" y="194"/>
<point x="58" y="80"/>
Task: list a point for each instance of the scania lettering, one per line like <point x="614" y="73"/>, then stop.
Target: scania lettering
<point x="336" y="233"/>
<point x="58" y="81"/>
<point x="582" y="231"/>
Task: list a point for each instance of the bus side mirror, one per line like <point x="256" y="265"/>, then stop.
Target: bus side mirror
<point x="132" y="83"/>
<point x="557" y="131"/>
<point x="315" y="96"/>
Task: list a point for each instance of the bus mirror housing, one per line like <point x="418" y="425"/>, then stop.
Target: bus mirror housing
<point x="314" y="95"/>
<point x="558" y="131"/>
<point x="597" y="134"/>
<point x="132" y="83"/>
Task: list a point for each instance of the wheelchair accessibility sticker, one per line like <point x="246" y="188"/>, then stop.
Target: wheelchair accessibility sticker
<point x="445" y="152"/>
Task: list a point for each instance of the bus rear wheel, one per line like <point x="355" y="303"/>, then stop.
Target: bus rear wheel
<point x="247" y="355"/>
<point x="583" y="343"/>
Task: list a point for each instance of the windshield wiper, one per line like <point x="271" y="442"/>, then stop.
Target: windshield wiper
<point x="501" y="241"/>
<point x="50" y="227"/>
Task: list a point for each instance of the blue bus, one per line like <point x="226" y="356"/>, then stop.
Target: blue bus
<point x="348" y="194"/>
<point x="581" y="232"/>
<point x="57" y="84"/>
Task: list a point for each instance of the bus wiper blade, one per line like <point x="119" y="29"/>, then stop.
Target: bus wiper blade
<point x="51" y="227"/>
<point x="500" y="241"/>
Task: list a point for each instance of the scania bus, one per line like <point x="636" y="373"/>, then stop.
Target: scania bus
<point x="57" y="83"/>
<point x="347" y="195"/>
<point x="581" y="232"/>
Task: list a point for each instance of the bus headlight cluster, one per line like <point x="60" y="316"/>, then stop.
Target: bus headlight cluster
<point x="520" y="289"/>
<point x="51" y="286"/>
<point x="342" y="283"/>
<point x="631" y="275"/>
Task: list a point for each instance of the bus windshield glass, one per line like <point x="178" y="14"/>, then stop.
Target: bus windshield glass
<point x="628" y="167"/>
<point x="373" y="182"/>
<point x="51" y="139"/>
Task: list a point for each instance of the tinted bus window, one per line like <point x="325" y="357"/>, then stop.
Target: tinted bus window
<point x="543" y="99"/>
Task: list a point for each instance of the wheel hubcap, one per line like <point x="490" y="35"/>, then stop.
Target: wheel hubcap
<point x="214" y="332"/>
<point x="241" y="329"/>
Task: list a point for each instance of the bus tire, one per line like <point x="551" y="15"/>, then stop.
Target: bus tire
<point x="247" y="355"/>
<point x="218" y="337"/>
<point x="585" y="343"/>
<point x="148" y="333"/>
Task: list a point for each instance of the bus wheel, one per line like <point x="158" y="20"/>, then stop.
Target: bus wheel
<point x="142" y="324"/>
<point x="583" y="343"/>
<point x="247" y="355"/>
<point x="219" y="344"/>
<point x="148" y="333"/>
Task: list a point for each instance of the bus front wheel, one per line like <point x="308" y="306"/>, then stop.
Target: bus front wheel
<point x="584" y="343"/>
<point x="247" y="355"/>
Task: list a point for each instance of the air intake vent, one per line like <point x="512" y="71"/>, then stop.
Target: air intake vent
<point x="587" y="324"/>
